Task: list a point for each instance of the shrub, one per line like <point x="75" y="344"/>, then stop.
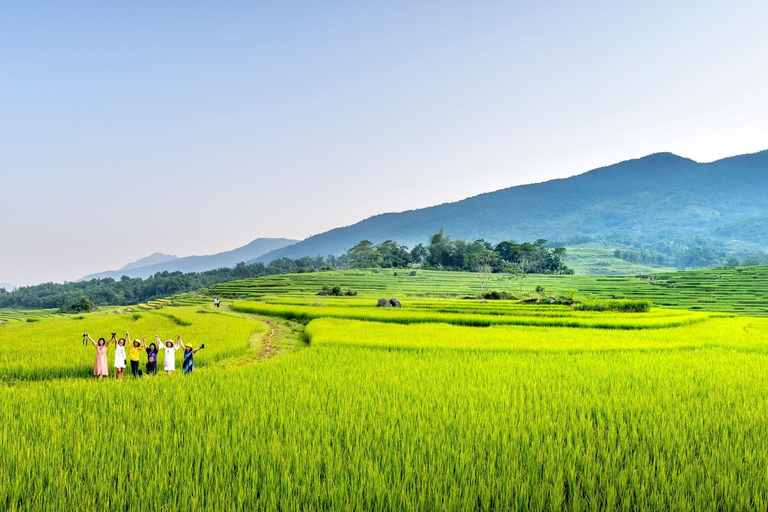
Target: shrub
<point x="336" y="291"/>
<point x="623" y="305"/>
<point x="82" y="305"/>
<point x="497" y="295"/>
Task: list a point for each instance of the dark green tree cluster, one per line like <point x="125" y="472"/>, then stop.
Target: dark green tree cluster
<point x="442" y="253"/>
<point x="640" y="257"/>
<point x="82" y="305"/>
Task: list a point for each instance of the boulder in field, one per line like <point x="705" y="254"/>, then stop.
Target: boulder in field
<point x="384" y="303"/>
<point x="395" y="303"/>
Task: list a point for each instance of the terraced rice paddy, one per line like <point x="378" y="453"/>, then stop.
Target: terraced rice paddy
<point x="480" y="316"/>
<point x="732" y="290"/>
<point x="446" y="404"/>
<point x="16" y="315"/>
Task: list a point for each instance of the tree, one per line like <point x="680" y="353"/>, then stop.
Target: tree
<point x="363" y="255"/>
<point x="515" y="272"/>
<point x="82" y="305"/>
<point x="482" y="260"/>
<point x="439" y="250"/>
<point x="419" y="254"/>
<point x="392" y="255"/>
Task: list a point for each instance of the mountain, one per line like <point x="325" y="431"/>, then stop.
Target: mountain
<point x="247" y="252"/>
<point x="660" y="196"/>
<point x="152" y="259"/>
<point x="8" y="287"/>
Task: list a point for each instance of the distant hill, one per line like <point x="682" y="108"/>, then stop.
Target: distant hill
<point x="153" y="259"/>
<point x="660" y="196"/>
<point x="250" y="251"/>
<point x="8" y="287"/>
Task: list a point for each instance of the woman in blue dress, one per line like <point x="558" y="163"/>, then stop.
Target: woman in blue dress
<point x="189" y="363"/>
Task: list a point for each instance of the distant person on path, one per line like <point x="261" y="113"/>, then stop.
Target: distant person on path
<point x="216" y="302"/>
<point x="133" y="355"/>
<point x="151" y="358"/>
<point x="169" y="362"/>
<point x="100" y="367"/>
<point x="189" y="363"/>
<point x="120" y="359"/>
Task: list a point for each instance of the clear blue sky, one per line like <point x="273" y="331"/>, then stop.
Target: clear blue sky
<point x="193" y="127"/>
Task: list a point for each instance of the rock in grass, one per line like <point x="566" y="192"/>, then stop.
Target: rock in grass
<point x="384" y="303"/>
<point x="395" y="303"/>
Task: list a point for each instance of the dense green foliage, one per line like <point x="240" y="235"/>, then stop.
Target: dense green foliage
<point x="442" y="253"/>
<point x="643" y="257"/>
<point x="82" y="305"/>
<point x="623" y="305"/>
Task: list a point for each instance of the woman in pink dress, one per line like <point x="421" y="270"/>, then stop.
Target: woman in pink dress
<point x="100" y="368"/>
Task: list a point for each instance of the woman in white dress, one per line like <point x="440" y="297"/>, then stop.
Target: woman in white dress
<point x="120" y="358"/>
<point x="169" y="362"/>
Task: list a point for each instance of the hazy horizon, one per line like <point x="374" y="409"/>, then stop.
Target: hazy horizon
<point x="192" y="129"/>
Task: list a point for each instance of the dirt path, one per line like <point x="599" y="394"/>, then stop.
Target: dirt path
<point x="266" y="349"/>
<point x="281" y="338"/>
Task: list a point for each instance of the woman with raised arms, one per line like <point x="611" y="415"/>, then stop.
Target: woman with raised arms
<point x="169" y="362"/>
<point x="100" y="367"/>
<point x="134" y="352"/>
<point x="189" y="363"/>
<point x="152" y="351"/>
<point x="120" y="358"/>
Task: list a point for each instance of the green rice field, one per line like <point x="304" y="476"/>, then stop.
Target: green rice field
<point x="305" y="402"/>
<point x="732" y="290"/>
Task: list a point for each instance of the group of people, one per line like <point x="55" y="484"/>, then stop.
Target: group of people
<point x="101" y="369"/>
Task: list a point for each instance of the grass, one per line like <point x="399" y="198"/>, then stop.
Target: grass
<point x="731" y="290"/>
<point x="446" y="404"/>
<point x="53" y="348"/>
<point x="476" y="318"/>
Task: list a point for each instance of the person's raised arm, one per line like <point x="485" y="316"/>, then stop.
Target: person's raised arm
<point x="159" y="343"/>
<point x="113" y="338"/>
<point x="179" y="341"/>
<point x="92" y="342"/>
<point x="195" y="351"/>
<point x="144" y="342"/>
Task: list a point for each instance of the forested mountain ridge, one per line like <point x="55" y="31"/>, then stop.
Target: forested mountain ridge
<point x="658" y="197"/>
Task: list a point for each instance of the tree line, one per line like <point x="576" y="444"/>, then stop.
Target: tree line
<point x="127" y="290"/>
<point x="440" y="253"/>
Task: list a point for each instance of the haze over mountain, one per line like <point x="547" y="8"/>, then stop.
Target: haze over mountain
<point x="152" y="259"/>
<point x="660" y="196"/>
<point x="171" y="263"/>
<point x="8" y="287"/>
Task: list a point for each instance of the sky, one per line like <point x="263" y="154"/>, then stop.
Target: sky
<point x="192" y="127"/>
